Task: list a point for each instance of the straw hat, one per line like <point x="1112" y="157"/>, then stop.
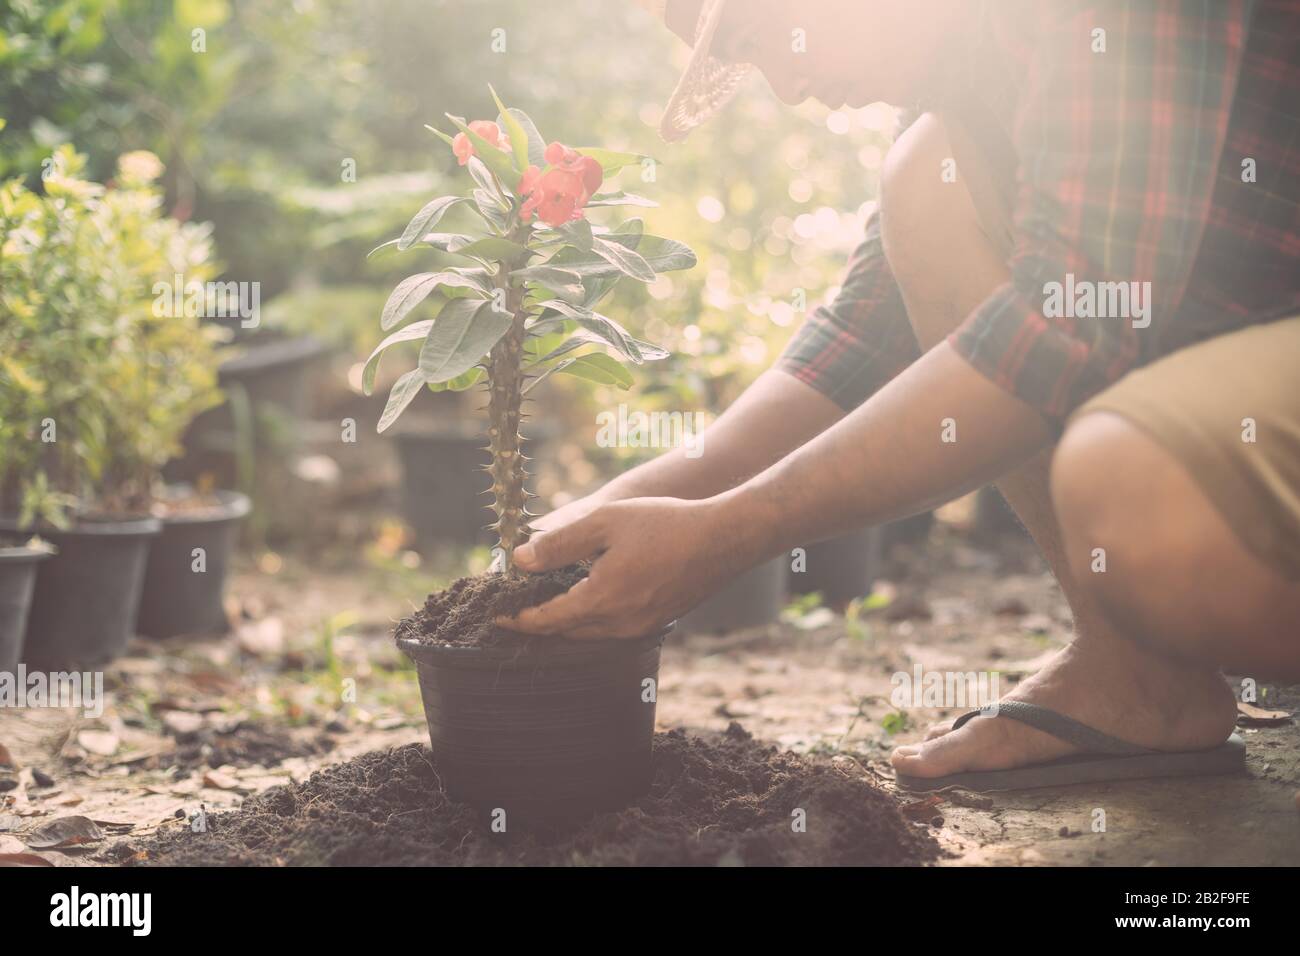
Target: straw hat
<point x="707" y="82"/>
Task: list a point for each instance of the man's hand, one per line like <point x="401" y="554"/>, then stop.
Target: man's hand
<point x="656" y="558"/>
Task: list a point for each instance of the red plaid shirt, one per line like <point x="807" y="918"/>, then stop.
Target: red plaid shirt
<point x="1169" y="158"/>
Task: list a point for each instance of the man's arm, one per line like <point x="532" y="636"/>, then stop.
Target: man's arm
<point x="844" y="352"/>
<point x="661" y="556"/>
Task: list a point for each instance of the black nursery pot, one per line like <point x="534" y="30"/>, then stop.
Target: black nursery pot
<point x="548" y="731"/>
<point x="443" y="483"/>
<point x="84" y="606"/>
<point x="842" y="568"/>
<point x="17" y="582"/>
<point x="177" y="599"/>
<point x="753" y="599"/>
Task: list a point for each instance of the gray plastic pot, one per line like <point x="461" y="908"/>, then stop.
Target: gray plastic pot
<point x="842" y="568"/>
<point x="83" y="609"/>
<point x="752" y="600"/>
<point x="547" y="730"/>
<point x="18" y="566"/>
<point x="177" y="599"/>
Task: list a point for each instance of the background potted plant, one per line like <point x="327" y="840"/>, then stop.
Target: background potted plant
<point x="541" y="728"/>
<point x="98" y="387"/>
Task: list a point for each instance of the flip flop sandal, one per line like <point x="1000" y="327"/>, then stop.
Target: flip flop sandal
<point x="1103" y="757"/>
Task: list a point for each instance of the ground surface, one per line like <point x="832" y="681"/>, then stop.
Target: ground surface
<point x="310" y="680"/>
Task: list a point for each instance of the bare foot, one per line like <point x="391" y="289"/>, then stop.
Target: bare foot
<point x="1116" y="688"/>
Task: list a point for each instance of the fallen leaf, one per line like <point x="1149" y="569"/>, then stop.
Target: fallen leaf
<point x="182" y="723"/>
<point x="6" y="758"/>
<point x="1248" y="715"/>
<point x="23" y="859"/>
<point x="101" y="742"/>
<point x="220" y="780"/>
<point x="922" y="809"/>
<point x="64" y="832"/>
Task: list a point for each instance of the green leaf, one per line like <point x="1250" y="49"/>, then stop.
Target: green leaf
<point x="627" y="261"/>
<point x="536" y="145"/>
<point x="611" y="161"/>
<point x="502" y="166"/>
<point x="413" y="290"/>
<point x="662" y="255"/>
<point x="416" y="330"/>
<point x="546" y="274"/>
<point x="459" y="383"/>
<point x="465" y="331"/>
<point x="597" y="367"/>
<point x="425" y="219"/>
<point x="606" y="328"/>
<point x="577" y="234"/>
<point x="491" y="249"/>
<point x="403" y="393"/>
<point x="620" y="199"/>
<point x="449" y="140"/>
<point x="479" y="173"/>
<point x="514" y="129"/>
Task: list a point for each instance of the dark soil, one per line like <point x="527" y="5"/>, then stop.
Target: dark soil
<point x="464" y="613"/>
<point x="715" y="799"/>
<point x="245" y="746"/>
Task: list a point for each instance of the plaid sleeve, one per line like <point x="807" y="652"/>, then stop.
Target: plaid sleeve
<point x="1119" y="149"/>
<point x="850" y="348"/>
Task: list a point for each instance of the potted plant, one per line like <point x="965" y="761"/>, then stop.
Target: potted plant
<point x="18" y="563"/>
<point x="542" y="728"/>
<point x="100" y="382"/>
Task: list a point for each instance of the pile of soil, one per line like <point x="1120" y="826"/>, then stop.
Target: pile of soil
<point x="715" y="799"/>
<point x="464" y="613"/>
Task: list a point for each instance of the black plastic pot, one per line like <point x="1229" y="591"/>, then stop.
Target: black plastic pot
<point x="548" y="732"/>
<point x="443" y="483"/>
<point x="84" y="606"/>
<point x="272" y="375"/>
<point x="751" y="600"/>
<point x="842" y="568"/>
<point x="17" y="581"/>
<point x="177" y="599"/>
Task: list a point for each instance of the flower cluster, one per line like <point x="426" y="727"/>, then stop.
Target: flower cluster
<point x="555" y="195"/>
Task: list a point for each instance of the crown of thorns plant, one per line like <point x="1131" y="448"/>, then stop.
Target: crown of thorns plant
<point x="526" y="307"/>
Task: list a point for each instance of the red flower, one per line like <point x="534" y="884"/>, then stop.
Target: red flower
<point x="464" y="149"/>
<point x="558" y="195"/>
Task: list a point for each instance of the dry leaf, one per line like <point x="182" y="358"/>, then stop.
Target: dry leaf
<point x="6" y="758"/>
<point x="182" y="722"/>
<point x="23" y="859"/>
<point x="922" y="809"/>
<point x="220" y="780"/>
<point x="101" y="742"/>
<point x="64" y="832"/>
<point x="1248" y="715"/>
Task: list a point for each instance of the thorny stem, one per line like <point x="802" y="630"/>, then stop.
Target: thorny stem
<point x="505" y="381"/>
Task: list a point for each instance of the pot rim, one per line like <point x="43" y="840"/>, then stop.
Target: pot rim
<point x="133" y="526"/>
<point x="231" y="506"/>
<point x="531" y="650"/>
<point x="21" y="554"/>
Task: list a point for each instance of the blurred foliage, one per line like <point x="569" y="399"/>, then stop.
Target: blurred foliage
<point x="97" y="381"/>
<point x="260" y="130"/>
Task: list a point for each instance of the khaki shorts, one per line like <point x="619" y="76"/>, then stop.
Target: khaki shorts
<point x="1228" y="409"/>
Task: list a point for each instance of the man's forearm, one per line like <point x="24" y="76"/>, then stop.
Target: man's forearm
<point x="936" y="431"/>
<point x="775" y="415"/>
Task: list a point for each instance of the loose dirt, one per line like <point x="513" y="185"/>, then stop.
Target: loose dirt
<point x="716" y="799"/>
<point x="464" y="613"/>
